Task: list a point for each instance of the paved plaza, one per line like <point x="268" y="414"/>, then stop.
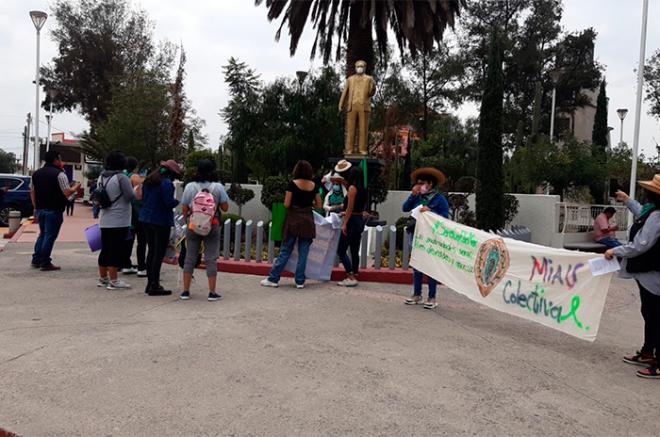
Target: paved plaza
<point x="81" y="360"/>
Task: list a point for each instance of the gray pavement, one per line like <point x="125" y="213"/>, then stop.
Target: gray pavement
<point x="79" y="360"/>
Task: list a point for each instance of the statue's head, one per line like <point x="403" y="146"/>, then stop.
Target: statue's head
<point x="360" y="67"/>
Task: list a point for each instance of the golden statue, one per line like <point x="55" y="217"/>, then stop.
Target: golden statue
<point x="356" y="101"/>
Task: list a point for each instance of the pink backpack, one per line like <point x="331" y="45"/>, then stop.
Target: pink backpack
<point x="203" y="211"/>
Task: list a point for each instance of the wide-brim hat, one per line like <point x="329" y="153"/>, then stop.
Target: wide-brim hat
<point x="342" y="166"/>
<point x="172" y="166"/>
<point x="428" y="171"/>
<point x="336" y="177"/>
<point x="652" y="185"/>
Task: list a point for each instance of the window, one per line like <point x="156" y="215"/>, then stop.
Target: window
<point x="9" y="183"/>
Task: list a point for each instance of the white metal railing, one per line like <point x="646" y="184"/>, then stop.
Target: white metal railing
<point x="576" y="218"/>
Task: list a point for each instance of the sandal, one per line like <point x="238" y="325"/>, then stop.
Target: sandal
<point x="413" y="300"/>
<point x="650" y="373"/>
<point x="640" y="359"/>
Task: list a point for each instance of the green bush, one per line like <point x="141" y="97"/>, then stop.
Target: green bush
<point x="240" y="196"/>
<point x="273" y="190"/>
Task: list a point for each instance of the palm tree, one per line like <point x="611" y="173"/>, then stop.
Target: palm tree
<point x="417" y="25"/>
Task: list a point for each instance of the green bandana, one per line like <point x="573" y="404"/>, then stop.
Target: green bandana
<point x="426" y="198"/>
<point x="647" y="209"/>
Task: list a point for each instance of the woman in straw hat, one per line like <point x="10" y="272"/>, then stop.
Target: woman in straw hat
<point x="425" y="194"/>
<point x="641" y="261"/>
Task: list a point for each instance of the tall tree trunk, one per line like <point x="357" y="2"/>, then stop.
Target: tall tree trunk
<point x="360" y="45"/>
<point x="425" y="86"/>
<point x="490" y="171"/>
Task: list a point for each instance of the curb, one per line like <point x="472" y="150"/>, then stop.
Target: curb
<point x="396" y="276"/>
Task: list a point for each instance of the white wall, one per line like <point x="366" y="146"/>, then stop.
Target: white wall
<point x="536" y="211"/>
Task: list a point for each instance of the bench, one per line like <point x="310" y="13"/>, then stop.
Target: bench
<point x="586" y="247"/>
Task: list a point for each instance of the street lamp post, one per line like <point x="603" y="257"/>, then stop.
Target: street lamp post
<point x="38" y="18"/>
<point x="621" y="112"/>
<point x="301" y="75"/>
<point x="555" y="75"/>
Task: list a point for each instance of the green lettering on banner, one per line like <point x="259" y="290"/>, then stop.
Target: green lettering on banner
<point x="575" y="305"/>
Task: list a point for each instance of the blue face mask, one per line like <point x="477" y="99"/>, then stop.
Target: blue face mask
<point x="336" y="187"/>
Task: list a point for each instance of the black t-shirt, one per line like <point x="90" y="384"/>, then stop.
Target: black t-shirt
<point x="301" y="198"/>
<point x="360" y="201"/>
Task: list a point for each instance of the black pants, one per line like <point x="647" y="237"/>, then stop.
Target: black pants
<point x="113" y="241"/>
<point x="351" y="240"/>
<point x="157" y="239"/>
<point x="651" y="315"/>
<point x="69" y="207"/>
<point x="128" y="250"/>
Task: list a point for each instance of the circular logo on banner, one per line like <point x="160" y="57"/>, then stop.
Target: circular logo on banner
<point x="491" y="265"/>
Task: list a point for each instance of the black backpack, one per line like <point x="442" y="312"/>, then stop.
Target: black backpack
<point x="100" y="196"/>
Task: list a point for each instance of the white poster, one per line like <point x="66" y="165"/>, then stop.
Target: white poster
<point x="553" y="287"/>
<point x="323" y="250"/>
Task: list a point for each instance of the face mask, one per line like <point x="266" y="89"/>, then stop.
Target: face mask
<point x="424" y="189"/>
<point x="359" y="70"/>
<point x="336" y="187"/>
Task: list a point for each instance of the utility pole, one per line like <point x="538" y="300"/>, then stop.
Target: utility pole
<point x="26" y="143"/>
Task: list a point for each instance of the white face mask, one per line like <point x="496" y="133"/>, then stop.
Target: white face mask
<point x="359" y="70"/>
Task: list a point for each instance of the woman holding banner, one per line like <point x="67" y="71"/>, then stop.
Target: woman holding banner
<point x="301" y="195"/>
<point x="641" y="261"/>
<point x="355" y="206"/>
<point x="425" y="194"/>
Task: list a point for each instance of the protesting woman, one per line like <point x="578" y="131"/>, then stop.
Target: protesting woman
<point x="425" y="194"/>
<point x="334" y="200"/>
<point x="157" y="217"/>
<point x="201" y="201"/>
<point x="641" y="261"/>
<point x="135" y="230"/>
<point x="115" y="220"/>
<point x="355" y="204"/>
<point x="301" y="195"/>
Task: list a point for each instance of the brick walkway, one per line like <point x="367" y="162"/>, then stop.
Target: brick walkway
<point x="73" y="228"/>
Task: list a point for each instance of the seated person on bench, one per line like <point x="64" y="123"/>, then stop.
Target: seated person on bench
<point x="603" y="232"/>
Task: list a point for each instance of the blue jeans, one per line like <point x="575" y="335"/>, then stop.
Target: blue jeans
<point x="50" y="223"/>
<point x="418" y="278"/>
<point x="610" y="242"/>
<point x="285" y="253"/>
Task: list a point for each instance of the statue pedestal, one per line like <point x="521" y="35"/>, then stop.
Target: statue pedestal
<point x="374" y="166"/>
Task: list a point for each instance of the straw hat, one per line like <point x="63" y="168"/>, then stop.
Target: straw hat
<point x="342" y="166"/>
<point x="652" y="185"/>
<point x="428" y="171"/>
<point x="172" y="165"/>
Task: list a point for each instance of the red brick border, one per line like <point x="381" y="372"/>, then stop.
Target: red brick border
<point x="396" y="276"/>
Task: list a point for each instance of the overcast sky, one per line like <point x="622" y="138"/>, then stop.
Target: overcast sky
<point x="214" y="30"/>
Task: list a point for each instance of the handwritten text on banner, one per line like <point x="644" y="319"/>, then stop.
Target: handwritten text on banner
<point x="554" y="287"/>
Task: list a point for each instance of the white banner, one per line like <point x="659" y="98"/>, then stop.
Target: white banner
<point x="323" y="250"/>
<point x="554" y="287"/>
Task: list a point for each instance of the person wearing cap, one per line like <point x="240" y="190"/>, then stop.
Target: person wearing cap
<point x="355" y="206"/>
<point x="205" y="178"/>
<point x="640" y="260"/>
<point x="157" y="216"/>
<point x="334" y="200"/>
<point x="425" y="194"/>
<point x="114" y="221"/>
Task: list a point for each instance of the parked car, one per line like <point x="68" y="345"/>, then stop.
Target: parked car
<point x="16" y="196"/>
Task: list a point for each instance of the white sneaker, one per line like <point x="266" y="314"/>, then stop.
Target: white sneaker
<point x="117" y="285"/>
<point x="348" y="282"/>
<point x="267" y="283"/>
<point x="300" y="286"/>
<point x="129" y="271"/>
<point x="102" y="282"/>
<point x="142" y="273"/>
